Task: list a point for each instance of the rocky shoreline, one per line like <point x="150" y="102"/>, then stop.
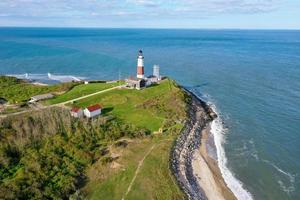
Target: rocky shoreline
<point x="199" y="116"/>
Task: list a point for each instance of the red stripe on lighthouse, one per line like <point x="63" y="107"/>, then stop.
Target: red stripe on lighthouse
<point x="140" y="70"/>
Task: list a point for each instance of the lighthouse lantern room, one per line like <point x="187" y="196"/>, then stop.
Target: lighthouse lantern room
<point x="140" y="65"/>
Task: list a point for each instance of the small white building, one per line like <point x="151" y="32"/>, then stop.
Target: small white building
<point x="76" y="112"/>
<point x="93" y="111"/>
<point x="156" y="72"/>
<point x="152" y="80"/>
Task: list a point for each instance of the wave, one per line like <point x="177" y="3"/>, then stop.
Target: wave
<point x="64" y="78"/>
<point x="47" y="77"/>
<point x="29" y="76"/>
<point x="218" y="130"/>
<point x="286" y="183"/>
<point x="233" y="183"/>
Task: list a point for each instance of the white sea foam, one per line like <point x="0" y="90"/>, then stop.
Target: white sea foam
<point x="45" y="77"/>
<point x="218" y="130"/>
<point x="246" y="151"/>
<point x="63" y="78"/>
<point x="30" y="76"/>
<point x="287" y="189"/>
<point x="233" y="183"/>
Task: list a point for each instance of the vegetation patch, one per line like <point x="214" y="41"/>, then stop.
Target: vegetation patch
<point x="17" y="91"/>
<point x="44" y="154"/>
<point x="48" y="154"/>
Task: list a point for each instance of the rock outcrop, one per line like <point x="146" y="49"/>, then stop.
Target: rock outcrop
<point x="199" y="115"/>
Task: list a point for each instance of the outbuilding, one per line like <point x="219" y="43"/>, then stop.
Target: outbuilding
<point x="41" y="97"/>
<point x="152" y="80"/>
<point x="93" y="111"/>
<point x="76" y="112"/>
<point x="135" y="83"/>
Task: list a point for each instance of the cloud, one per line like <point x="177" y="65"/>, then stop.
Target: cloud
<point x="146" y="3"/>
<point x="128" y="9"/>
<point x="229" y="6"/>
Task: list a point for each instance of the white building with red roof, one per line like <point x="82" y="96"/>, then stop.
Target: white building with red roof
<point x="76" y="112"/>
<point x="93" y="111"/>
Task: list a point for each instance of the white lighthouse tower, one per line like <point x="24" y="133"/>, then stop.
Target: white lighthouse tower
<point x="140" y="65"/>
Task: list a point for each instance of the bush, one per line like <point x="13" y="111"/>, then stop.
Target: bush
<point x="106" y="160"/>
<point x="43" y="155"/>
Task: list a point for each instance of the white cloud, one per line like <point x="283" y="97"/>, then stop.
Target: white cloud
<point x="129" y="9"/>
<point x="147" y="3"/>
<point x="240" y="6"/>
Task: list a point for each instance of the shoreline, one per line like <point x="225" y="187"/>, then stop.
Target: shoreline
<point x="207" y="171"/>
<point x="194" y="156"/>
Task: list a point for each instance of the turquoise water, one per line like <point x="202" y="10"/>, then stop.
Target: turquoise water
<point x="251" y="77"/>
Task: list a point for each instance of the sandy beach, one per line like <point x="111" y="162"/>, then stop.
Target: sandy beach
<point x="194" y="158"/>
<point x="207" y="171"/>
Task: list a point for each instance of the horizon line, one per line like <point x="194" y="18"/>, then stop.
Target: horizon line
<point x="153" y="28"/>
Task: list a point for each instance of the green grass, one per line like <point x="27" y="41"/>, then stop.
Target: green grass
<point x="81" y="90"/>
<point x="80" y="140"/>
<point x="154" y="180"/>
<point x="117" y="183"/>
<point x="18" y="91"/>
<point x="148" y="108"/>
<point x="131" y="105"/>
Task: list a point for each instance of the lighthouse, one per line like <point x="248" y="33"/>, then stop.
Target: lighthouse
<point x="140" y="65"/>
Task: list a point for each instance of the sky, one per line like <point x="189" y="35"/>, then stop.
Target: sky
<point x="215" y="14"/>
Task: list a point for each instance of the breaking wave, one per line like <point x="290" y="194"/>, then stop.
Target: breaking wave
<point x="234" y="184"/>
<point x="63" y="78"/>
<point x="218" y="131"/>
<point x="47" y="77"/>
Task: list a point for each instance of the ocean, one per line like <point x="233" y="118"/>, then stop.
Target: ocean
<point x="250" y="77"/>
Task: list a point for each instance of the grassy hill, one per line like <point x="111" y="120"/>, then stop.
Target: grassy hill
<point x="50" y="155"/>
<point x="153" y="181"/>
<point x="150" y="108"/>
<point x="82" y="90"/>
<point x="17" y="91"/>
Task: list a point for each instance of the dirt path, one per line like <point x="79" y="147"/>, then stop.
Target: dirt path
<point x="140" y="165"/>
<point x="137" y="171"/>
<point x="89" y="95"/>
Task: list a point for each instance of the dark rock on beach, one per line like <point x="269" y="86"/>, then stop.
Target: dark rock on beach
<point x="199" y="115"/>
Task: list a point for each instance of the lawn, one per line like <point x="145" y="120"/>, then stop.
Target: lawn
<point x="150" y="108"/>
<point x="143" y="108"/>
<point x="154" y="180"/>
<point x="81" y="90"/>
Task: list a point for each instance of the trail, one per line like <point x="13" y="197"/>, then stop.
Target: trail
<point x="61" y="104"/>
<point x="137" y="171"/>
<point x="89" y="95"/>
<point x="140" y="165"/>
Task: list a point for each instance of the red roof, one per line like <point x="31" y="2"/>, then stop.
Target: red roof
<point x="94" y="107"/>
<point x="75" y="109"/>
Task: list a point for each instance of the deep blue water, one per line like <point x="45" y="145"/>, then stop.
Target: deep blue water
<point x="252" y="77"/>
